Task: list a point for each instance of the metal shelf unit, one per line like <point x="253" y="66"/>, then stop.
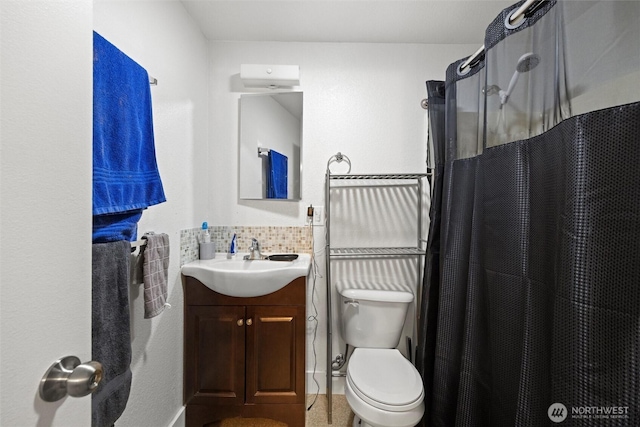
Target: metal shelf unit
<point x="372" y="252"/>
<point x="331" y="253"/>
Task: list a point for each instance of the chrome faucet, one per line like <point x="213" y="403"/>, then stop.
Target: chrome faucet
<point x="255" y="247"/>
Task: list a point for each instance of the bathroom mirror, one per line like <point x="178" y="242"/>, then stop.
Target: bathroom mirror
<point x="270" y="146"/>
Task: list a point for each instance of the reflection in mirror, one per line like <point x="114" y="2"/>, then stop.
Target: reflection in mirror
<point x="270" y="145"/>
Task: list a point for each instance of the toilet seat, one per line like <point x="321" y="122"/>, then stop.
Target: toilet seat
<point x="384" y="379"/>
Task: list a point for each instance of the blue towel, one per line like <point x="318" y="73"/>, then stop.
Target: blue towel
<point x="277" y="176"/>
<point x="115" y="227"/>
<point x="125" y="172"/>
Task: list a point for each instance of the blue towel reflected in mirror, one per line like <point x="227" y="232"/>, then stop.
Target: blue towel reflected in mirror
<point x="277" y="175"/>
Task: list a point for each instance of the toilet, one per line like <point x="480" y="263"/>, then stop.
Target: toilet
<point x="382" y="388"/>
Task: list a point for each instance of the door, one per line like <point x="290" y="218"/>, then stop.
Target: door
<point x="45" y="204"/>
<point x="214" y="354"/>
<point x="275" y="354"/>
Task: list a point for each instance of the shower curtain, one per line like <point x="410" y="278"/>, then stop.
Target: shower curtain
<point x="530" y="309"/>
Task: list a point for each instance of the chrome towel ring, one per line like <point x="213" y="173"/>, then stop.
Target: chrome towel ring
<point x="338" y="158"/>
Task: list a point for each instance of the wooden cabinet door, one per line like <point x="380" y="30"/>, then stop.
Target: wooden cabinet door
<point x="214" y="355"/>
<point x="275" y="354"/>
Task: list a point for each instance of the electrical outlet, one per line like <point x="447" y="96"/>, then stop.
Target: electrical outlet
<point x="318" y="215"/>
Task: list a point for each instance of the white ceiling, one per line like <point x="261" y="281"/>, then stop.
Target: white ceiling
<point x="358" y="21"/>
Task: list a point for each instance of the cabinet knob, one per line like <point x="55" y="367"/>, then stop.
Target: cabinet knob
<point x="249" y="322"/>
<point x="240" y="322"/>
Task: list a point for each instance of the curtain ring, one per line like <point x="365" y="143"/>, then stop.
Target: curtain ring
<point x="521" y="20"/>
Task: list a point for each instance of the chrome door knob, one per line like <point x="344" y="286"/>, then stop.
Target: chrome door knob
<point x="69" y="376"/>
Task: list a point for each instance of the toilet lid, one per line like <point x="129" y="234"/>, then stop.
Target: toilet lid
<point x="385" y="379"/>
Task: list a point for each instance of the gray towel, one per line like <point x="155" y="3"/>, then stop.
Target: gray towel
<point x="155" y="269"/>
<point x="110" y="335"/>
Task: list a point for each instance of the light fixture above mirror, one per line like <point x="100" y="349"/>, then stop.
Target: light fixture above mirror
<point x="270" y="76"/>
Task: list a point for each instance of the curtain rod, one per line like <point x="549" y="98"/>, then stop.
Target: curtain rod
<point x="512" y="18"/>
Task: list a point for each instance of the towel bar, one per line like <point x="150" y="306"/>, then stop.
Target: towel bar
<point x="138" y="243"/>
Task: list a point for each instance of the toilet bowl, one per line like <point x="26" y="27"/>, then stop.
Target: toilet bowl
<point x="382" y="387"/>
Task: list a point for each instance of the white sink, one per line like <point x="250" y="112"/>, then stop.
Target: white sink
<point x="239" y="278"/>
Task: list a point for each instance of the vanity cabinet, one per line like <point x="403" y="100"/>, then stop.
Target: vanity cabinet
<point x="244" y="356"/>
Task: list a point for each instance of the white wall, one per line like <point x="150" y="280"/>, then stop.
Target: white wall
<point x="162" y="38"/>
<point x="360" y="99"/>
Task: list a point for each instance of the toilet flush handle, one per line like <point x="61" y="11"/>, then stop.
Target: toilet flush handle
<point x="352" y="302"/>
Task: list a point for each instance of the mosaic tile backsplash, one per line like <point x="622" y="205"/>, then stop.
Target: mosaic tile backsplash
<point x="272" y="239"/>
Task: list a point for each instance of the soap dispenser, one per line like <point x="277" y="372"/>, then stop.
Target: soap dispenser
<point x="206" y="235"/>
<point x="233" y="247"/>
<point x="207" y="247"/>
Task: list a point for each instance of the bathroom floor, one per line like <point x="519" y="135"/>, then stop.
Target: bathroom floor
<point x="317" y="416"/>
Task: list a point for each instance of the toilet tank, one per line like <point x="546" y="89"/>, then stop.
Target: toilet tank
<point x="373" y="318"/>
